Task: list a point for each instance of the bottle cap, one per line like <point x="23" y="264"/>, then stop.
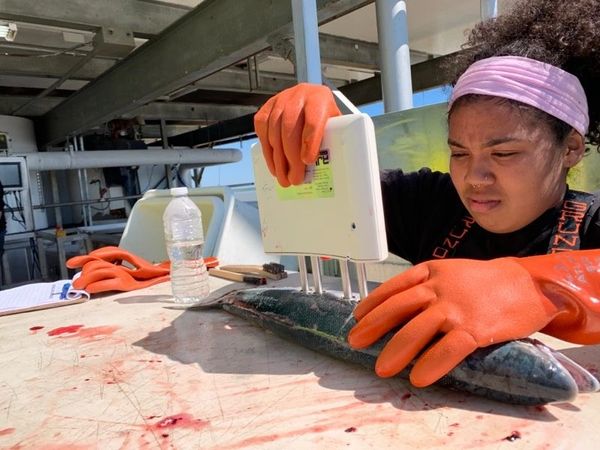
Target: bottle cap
<point x="179" y="191"/>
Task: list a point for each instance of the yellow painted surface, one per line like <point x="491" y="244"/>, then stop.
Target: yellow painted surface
<point x="417" y="138"/>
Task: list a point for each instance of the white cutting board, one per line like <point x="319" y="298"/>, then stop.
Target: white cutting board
<point x="339" y="213"/>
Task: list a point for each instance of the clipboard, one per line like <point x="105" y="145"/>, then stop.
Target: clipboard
<point x="36" y="296"/>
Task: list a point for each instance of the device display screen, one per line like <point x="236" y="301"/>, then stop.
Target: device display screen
<point x="10" y="175"/>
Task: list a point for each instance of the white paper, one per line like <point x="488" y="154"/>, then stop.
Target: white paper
<point x="34" y="296"/>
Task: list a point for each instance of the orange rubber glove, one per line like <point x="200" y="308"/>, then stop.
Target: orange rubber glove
<point x="102" y="276"/>
<point x="473" y="304"/>
<point x="290" y="129"/>
<point x="140" y="268"/>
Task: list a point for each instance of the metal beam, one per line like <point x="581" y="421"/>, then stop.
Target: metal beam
<point x="154" y="131"/>
<point x="338" y="50"/>
<point x="214" y="35"/>
<point x="53" y="67"/>
<point x="142" y="18"/>
<point x="238" y="80"/>
<point x="214" y="133"/>
<point x="425" y="75"/>
<point x="8" y="103"/>
<point x="173" y="111"/>
<point x="191" y="111"/>
<point x="342" y="51"/>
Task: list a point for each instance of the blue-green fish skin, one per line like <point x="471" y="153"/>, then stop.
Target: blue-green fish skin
<point x="517" y="372"/>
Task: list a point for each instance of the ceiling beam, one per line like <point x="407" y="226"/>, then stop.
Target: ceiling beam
<point x="191" y="111"/>
<point x="8" y="103"/>
<point x="173" y="111"/>
<point x="338" y="50"/>
<point x="425" y="75"/>
<point x="343" y="51"/>
<point x="214" y="35"/>
<point x="213" y="133"/>
<point x="53" y="66"/>
<point x="238" y="80"/>
<point x="142" y="18"/>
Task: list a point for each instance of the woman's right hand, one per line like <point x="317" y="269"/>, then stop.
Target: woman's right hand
<point x="290" y="129"/>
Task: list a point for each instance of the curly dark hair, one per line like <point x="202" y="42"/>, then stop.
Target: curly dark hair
<point x="565" y="34"/>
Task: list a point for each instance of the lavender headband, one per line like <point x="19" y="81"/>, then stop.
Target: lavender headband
<point x="528" y="81"/>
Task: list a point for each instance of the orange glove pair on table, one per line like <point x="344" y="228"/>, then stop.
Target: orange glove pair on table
<point x="114" y="269"/>
<point x="444" y="308"/>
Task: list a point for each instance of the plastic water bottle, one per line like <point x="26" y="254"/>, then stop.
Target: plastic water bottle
<point x="184" y="238"/>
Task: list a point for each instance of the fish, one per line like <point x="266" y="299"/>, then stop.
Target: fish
<point x="519" y="372"/>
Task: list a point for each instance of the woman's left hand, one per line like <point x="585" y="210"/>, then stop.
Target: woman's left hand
<point x="469" y="303"/>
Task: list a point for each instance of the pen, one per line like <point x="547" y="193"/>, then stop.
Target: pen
<point x="65" y="291"/>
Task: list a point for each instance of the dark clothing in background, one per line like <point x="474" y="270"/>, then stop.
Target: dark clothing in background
<point x="2" y="217"/>
<point x="2" y="232"/>
<point x="421" y="208"/>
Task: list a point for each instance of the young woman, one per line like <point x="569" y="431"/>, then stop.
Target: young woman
<point x="502" y="248"/>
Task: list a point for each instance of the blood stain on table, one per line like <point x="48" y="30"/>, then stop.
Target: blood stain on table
<point x="80" y="331"/>
<point x="7" y="431"/>
<point x="513" y="436"/>
<point x="65" y="330"/>
<point x="35" y="329"/>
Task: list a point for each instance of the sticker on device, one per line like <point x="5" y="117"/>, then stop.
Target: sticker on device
<point x="318" y="181"/>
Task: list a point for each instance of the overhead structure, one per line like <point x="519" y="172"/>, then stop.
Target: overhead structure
<point x="216" y="34"/>
<point x="206" y="63"/>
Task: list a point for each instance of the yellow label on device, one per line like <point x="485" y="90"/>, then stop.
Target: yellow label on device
<point x="318" y="181"/>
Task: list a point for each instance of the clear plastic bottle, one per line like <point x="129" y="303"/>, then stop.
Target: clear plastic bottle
<point x="184" y="238"/>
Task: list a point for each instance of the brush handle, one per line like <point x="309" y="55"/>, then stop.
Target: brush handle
<point x="239" y="277"/>
<point x="254" y="271"/>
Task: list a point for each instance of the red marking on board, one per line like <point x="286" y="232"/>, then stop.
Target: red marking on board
<point x="455" y="424"/>
<point x="178" y="421"/>
<point x="350" y="430"/>
<point x="94" y="332"/>
<point x="63" y="447"/>
<point x="65" y="330"/>
<point x="513" y="436"/>
<point x="7" y="431"/>
<point x="36" y="328"/>
<point x="79" y="331"/>
<point x="270" y="438"/>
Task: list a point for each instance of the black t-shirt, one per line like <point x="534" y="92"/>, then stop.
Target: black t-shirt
<point x="422" y="208"/>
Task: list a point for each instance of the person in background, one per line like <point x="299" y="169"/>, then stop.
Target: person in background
<point x="501" y="247"/>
